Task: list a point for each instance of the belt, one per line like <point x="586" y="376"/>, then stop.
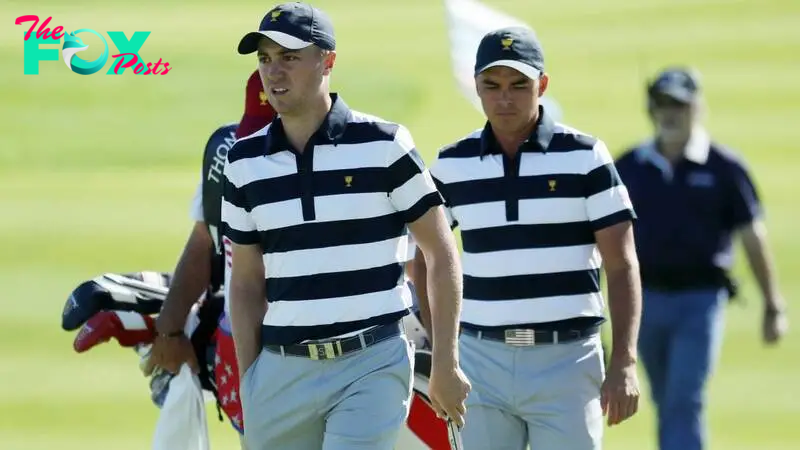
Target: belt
<point x="690" y="277"/>
<point x="335" y="348"/>
<point x="525" y="337"/>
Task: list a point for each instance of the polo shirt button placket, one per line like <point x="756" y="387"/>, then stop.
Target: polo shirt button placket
<point x="511" y="175"/>
<point x="305" y="170"/>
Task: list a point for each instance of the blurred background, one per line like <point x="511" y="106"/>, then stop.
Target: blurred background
<point x="97" y="172"/>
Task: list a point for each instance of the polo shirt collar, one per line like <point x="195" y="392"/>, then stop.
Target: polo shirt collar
<point x="539" y="140"/>
<point x="696" y="151"/>
<point x="699" y="146"/>
<point x="329" y="132"/>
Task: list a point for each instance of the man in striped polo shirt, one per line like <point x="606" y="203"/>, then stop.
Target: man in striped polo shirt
<point x="318" y="206"/>
<point x="540" y="207"/>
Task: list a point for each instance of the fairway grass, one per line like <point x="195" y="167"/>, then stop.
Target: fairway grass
<point x="97" y="172"/>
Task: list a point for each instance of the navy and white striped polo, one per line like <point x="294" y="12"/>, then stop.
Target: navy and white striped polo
<point x="331" y="221"/>
<point x="527" y="223"/>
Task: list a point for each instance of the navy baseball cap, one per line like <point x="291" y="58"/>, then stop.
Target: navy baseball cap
<point x="514" y="47"/>
<point x="293" y="26"/>
<point x="680" y="84"/>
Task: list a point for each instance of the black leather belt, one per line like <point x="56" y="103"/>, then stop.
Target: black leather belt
<point x="525" y="337"/>
<point x="335" y="348"/>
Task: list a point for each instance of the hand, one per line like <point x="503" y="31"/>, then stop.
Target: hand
<point x="170" y="353"/>
<point x="619" y="395"/>
<point x="774" y="325"/>
<point x="448" y="388"/>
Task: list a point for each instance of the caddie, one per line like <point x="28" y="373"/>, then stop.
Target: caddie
<point x="695" y="197"/>
<point x="203" y="266"/>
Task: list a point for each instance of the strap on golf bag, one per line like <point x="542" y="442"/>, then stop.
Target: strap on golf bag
<point x="214" y="158"/>
<point x="203" y="342"/>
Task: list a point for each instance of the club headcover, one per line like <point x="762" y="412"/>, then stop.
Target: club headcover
<point x="436" y="433"/>
<point x="86" y="300"/>
<point x="104" y="294"/>
<point x="415" y="331"/>
<point x="128" y="328"/>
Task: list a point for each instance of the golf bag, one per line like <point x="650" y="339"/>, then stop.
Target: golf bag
<point x="122" y="307"/>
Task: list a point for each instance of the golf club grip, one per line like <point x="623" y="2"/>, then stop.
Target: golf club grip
<point x="453" y="433"/>
<point x="454" y="436"/>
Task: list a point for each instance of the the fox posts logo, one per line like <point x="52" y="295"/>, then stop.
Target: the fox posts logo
<point x="126" y="57"/>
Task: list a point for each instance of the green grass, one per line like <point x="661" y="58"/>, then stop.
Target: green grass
<point x="96" y="173"/>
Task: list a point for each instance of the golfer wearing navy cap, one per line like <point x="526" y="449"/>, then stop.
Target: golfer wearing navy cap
<point x="319" y="206"/>
<point x="541" y="210"/>
<point x="693" y="196"/>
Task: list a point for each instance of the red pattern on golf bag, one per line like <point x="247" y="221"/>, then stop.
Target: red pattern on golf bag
<point x="226" y="375"/>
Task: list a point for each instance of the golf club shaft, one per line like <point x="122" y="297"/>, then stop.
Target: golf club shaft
<point x="454" y="436"/>
<point x="140" y="286"/>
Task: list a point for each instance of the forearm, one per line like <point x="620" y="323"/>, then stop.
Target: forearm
<point x="420" y="278"/>
<point x="625" y="308"/>
<point x="445" y="287"/>
<point x="761" y="265"/>
<point x="190" y="280"/>
<point x="247" y="309"/>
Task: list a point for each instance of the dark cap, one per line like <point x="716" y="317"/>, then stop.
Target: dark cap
<point x="293" y="26"/>
<point x="679" y="83"/>
<point x="514" y="47"/>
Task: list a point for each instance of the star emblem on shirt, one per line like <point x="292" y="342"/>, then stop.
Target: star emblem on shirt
<point x="229" y="370"/>
<point x="217" y="360"/>
<point x="236" y="420"/>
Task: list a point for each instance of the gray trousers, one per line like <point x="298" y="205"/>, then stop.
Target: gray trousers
<point x="357" y="401"/>
<point x="546" y="396"/>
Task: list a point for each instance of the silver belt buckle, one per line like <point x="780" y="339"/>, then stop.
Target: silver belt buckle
<point x="520" y="337"/>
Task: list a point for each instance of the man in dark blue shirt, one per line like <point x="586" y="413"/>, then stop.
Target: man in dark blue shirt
<point x="693" y="196"/>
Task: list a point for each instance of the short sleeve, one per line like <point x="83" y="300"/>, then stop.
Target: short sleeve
<point x="607" y="199"/>
<point x="237" y="221"/>
<point x="745" y="204"/>
<point x="442" y="188"/>
<point x="196" y="209"/>
<point x="411" y="188"/>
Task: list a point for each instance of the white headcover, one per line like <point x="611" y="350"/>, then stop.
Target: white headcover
<point x="415" y="331"/>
